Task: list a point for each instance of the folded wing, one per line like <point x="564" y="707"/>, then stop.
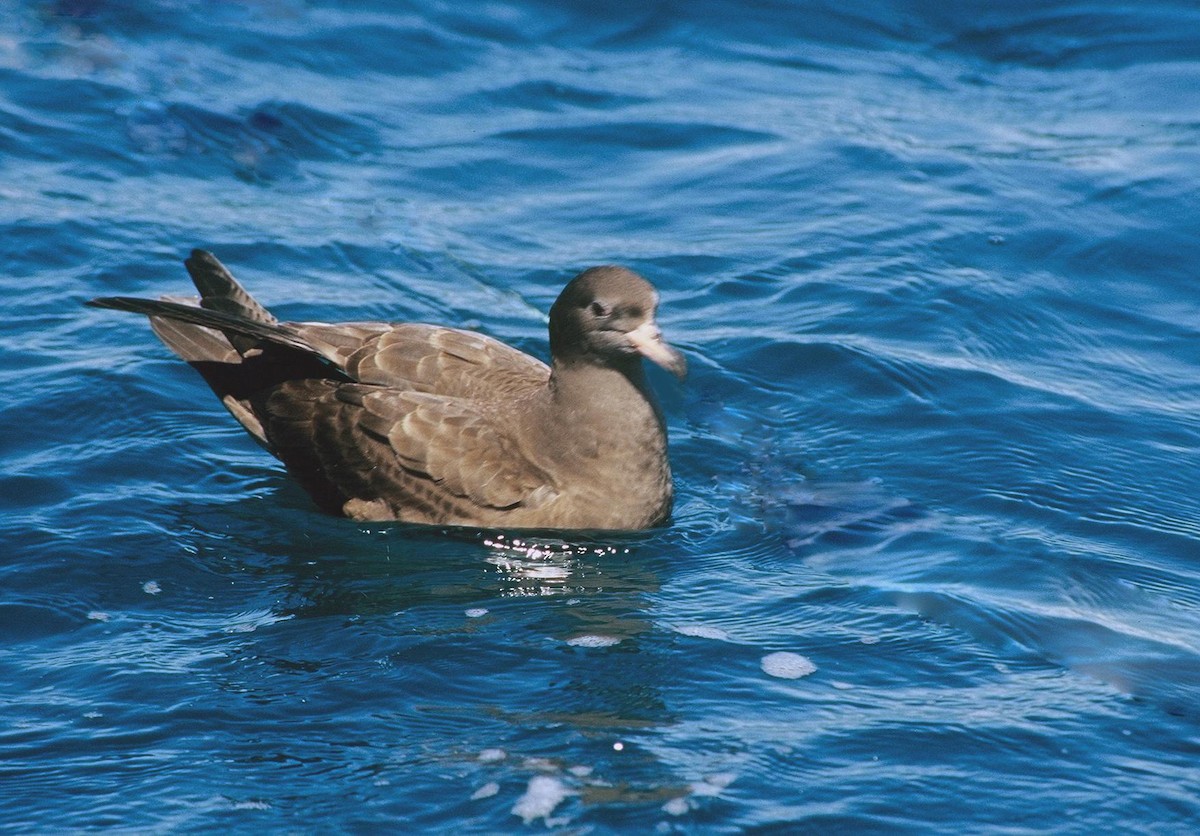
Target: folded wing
<point x="377" y="420"/>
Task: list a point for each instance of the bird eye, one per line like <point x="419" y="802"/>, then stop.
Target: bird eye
<point x="600" y="309"/>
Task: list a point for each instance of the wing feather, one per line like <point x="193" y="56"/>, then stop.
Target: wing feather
<point x="427" y="358"/>
<point x="387" y="453"/>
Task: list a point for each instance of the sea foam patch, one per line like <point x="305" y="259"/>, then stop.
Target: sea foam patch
<point x="542" y="795"/>
<point x="785" y="665"/>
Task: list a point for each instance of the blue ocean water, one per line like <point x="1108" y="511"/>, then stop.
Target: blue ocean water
<point x="935" y="560"/>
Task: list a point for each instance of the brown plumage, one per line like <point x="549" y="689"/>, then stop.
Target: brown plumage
<point x="437" y="425"/>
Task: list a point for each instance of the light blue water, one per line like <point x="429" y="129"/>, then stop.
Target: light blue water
<point x="934" y="267"/>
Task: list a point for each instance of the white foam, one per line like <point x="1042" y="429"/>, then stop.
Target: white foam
<point x="486" y="791"/>
<point x="703" y="631"/>
<point x="543" y="794"/>
<point x="676" y="807"/>
<point x="477" y="612"/>
<point x="787" y="665"/>
<point x="251" y="805"/>
<point x="151" y="588"/>
<point x="713" y="784"/>
<point x="492" y="755"/>
<point x="593" y="641"/>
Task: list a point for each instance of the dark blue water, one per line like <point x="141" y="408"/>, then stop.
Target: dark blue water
<point x="935" y="269"/>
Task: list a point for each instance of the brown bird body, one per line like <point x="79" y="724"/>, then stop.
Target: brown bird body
<point x="437" y="425"/>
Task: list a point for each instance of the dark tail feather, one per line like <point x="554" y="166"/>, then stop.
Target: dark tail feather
<point x="237" y="346"/>
<point x="229" y="324"/>
<point x="220" y="291"/>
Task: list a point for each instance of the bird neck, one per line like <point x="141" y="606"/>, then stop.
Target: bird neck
<point x="614" y="400"/>
<point x="603" y="426"/>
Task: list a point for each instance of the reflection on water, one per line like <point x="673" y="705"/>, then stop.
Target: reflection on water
<point x="546" y="566"/>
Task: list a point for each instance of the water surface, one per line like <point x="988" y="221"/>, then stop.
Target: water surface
<point x="935" y="559"/>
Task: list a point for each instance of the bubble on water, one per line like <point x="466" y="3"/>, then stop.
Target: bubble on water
<point x="96" y="615"/>
<point x="151" y="588"/>
<point x="492" y="755"/>
<point x="486" y="791"/>
<point x="702" y="631"/>
<point x="785" y="665"/>
<point x="593" y="641"/>
<point x="477" y="612"/>
<point x="543" y="794"/>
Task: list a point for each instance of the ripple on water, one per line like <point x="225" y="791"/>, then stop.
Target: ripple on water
<point x="267" y="141"/>
<point x="933" y="267"/>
